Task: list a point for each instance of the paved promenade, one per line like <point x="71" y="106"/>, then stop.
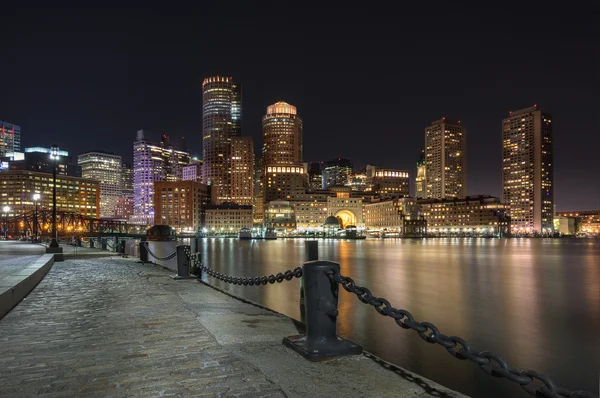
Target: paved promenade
<point x="109" y="327"/>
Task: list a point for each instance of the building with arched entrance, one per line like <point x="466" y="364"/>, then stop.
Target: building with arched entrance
<point x="348" y="209"/>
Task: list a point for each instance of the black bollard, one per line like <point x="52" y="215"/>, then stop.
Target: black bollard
<point x="103" y="243"/>
<point x="91" y="243"/>
<point x="116" y="244"/>
<point x="321" y="296"/>
<point x="196" y="241"/>
<point x="143" y="252"/>
<point x="312" y="254"/>
<point x="183" y="263"/>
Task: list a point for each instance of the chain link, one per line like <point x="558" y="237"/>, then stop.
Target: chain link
<point x="245" y="281"/>
<point x="488" y="361"/>
<point x="170" y="256"/>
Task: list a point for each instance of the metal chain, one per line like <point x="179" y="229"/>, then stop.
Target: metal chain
<point x="245" y="281"/>
<point x="488" y="361"/>
<point x="170" y="256"/>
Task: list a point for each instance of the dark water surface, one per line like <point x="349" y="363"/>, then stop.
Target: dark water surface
<point x="535" y="302"/>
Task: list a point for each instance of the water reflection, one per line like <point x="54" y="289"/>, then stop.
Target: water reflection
<point x="536" y="302"/>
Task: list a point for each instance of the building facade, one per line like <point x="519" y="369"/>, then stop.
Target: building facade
<point x="73" y="194"/>
<point x="181" y="204"/>
<point x="193" y="171"/>
<point x="106" y="168"/>
<point x="151" y="163"/>
<point x="445" y="160"/>
<point x="10" y="138"/>
<point x="481" y="215"/>
<point x="279" y="214"/>
<point x="38" y="159"/>
<point x="388" y="182"/>
<point x="395" y="217"/>
<point x="242" y="171"/>
<point x="221" y="122"/>
<point x="348" y="209"/>
<point x="590" y="220"/>
<point x="335" y="172"/>
<point x="528" y="170"/>
<point x="315" y="176"/>
<point x="358" y="182"/>
<point x="227" y="218"/>
<point x="420" y="188"/>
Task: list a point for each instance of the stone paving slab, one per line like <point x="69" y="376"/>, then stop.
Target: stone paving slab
<point x="109" y="326"/>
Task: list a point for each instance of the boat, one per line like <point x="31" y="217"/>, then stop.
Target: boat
<point x="245" y="233"/>
<point x="270" y="234"/>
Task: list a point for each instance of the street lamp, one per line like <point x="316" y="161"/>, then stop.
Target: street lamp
<point x="54" y="247"/>
<point x="36" y="198"/>
<point x="6" y="210"/>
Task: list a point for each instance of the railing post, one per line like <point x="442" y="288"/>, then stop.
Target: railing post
<point x="321" y="298"/>
<point x="143" y="252"/>
<point x="91" y="243"/>
<point x="116" y="244"/>
<point x="197" y="246"/>
<point x="183" y="263"/>
<point x="312" y="254"/>
<point x="103" y="243"/>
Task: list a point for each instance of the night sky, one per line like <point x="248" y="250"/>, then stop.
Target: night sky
<point x="365" y="80"/>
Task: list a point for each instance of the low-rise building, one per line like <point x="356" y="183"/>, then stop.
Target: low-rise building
<point x="590" y="220"/>
<point x="481" y="215"/>
<point x="348" y="208"/>
<point x="73" y="194"/>
<point x="181" y="204"/>
<point x="387" y="182"/>
<point x="399" y="216"/>
<point x="227" y="218"/>
<point x="280" y="215"/>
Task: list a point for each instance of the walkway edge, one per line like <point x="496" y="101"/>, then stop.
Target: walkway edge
<point x="32" y="275"/>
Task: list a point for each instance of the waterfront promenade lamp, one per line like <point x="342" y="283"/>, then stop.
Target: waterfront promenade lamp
<point x="5" y="210"/>
<point x="36" y="198"/>
<point x="54" y="247"/>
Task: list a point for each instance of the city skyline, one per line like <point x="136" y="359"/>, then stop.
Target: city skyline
<point x="476" y="85"/>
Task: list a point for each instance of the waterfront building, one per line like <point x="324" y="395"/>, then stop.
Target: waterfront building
<point x="153" y="162"/>
<point x="227" y="218"/>
<point x="358" y="182"/>
<point x="387" y="182"/>
<point x="193" y="171"/>
<point x="242" y="171"/>
<point x="310" y="213"/>
<point x="106" y="168"/>
<point x="73" y="194"/>
<point x="565" y="225"/>
<point x="38" y="159"/>
<point x="335" y="172"/>
<point x="285" y="175"/>
<point x="528" y="170"/>
<point x="590" y="220"/>
<point x="221" y="122"/>
<point x="420" y="189"/>
<point x="346" y="207"/>
<point x="315" y="176"/>
<point x="181" y="204"/>
<point x="124" y="204"/>
<point x="481" y="215"/>
<point x="395" y="217"/>
<point x="445" y="160"/>
<point x="279" y="214"/>
<point x="10" y="138"/>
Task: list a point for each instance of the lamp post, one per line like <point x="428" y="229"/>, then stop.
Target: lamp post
<point x="36" y="198"/>
<point x="54" y="247"/>
<point x="6" y="210"/>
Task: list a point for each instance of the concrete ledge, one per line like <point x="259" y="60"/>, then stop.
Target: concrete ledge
<point x="18" y="285"/>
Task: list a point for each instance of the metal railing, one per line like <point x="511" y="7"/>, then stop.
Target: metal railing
<point x="321" y="281"/>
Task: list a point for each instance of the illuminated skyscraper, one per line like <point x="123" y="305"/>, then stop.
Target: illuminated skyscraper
<point x="528" y="170"/>
<point x="420" y="192"/>
<point x="153" y="162"/>
<point x="242" y="171"/>
<point x="107" y="169"/>
<point x="285" y="176"/>
<point x="335" y="172"/>
<point x="221" y="118"/>
<point x="445" y="160"/>
<point x="10" y="138"/>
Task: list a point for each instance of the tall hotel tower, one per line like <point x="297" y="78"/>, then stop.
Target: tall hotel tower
<point x="445" y="160"/>
<point x="221" y="122"/>
<point x="107" y="169"/>
<point x="284" y="174"/>
<point x="527" y="170"/>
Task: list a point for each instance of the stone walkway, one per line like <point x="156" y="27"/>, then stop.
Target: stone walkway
<point x="107" y="326"/>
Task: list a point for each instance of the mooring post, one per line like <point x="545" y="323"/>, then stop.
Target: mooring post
<point x="183" y="263"/>
<point x="321" y="299"/>
<point x="91" y="243"/>
<point x="103" y="243"/>
<point x="312" y="254"/>
<point x="116" y="244"/>
<point x="143" y="251"/>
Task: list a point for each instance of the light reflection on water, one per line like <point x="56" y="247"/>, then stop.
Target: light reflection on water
<point x="536" y="302"/>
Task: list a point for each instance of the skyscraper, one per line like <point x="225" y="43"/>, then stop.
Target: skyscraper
<point x="285" y="175"/>
<point x="242" y="171"/>
<point x="153" y="162"/>
<point x="445" y="160"/>
<point x="10" y="138"/>
<point x="221" y="118"/>
<point x="528" y="170"/>
<point x="106" y="168"/>
<point x="335" y="172"/>
<point x="420" y="191"/>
